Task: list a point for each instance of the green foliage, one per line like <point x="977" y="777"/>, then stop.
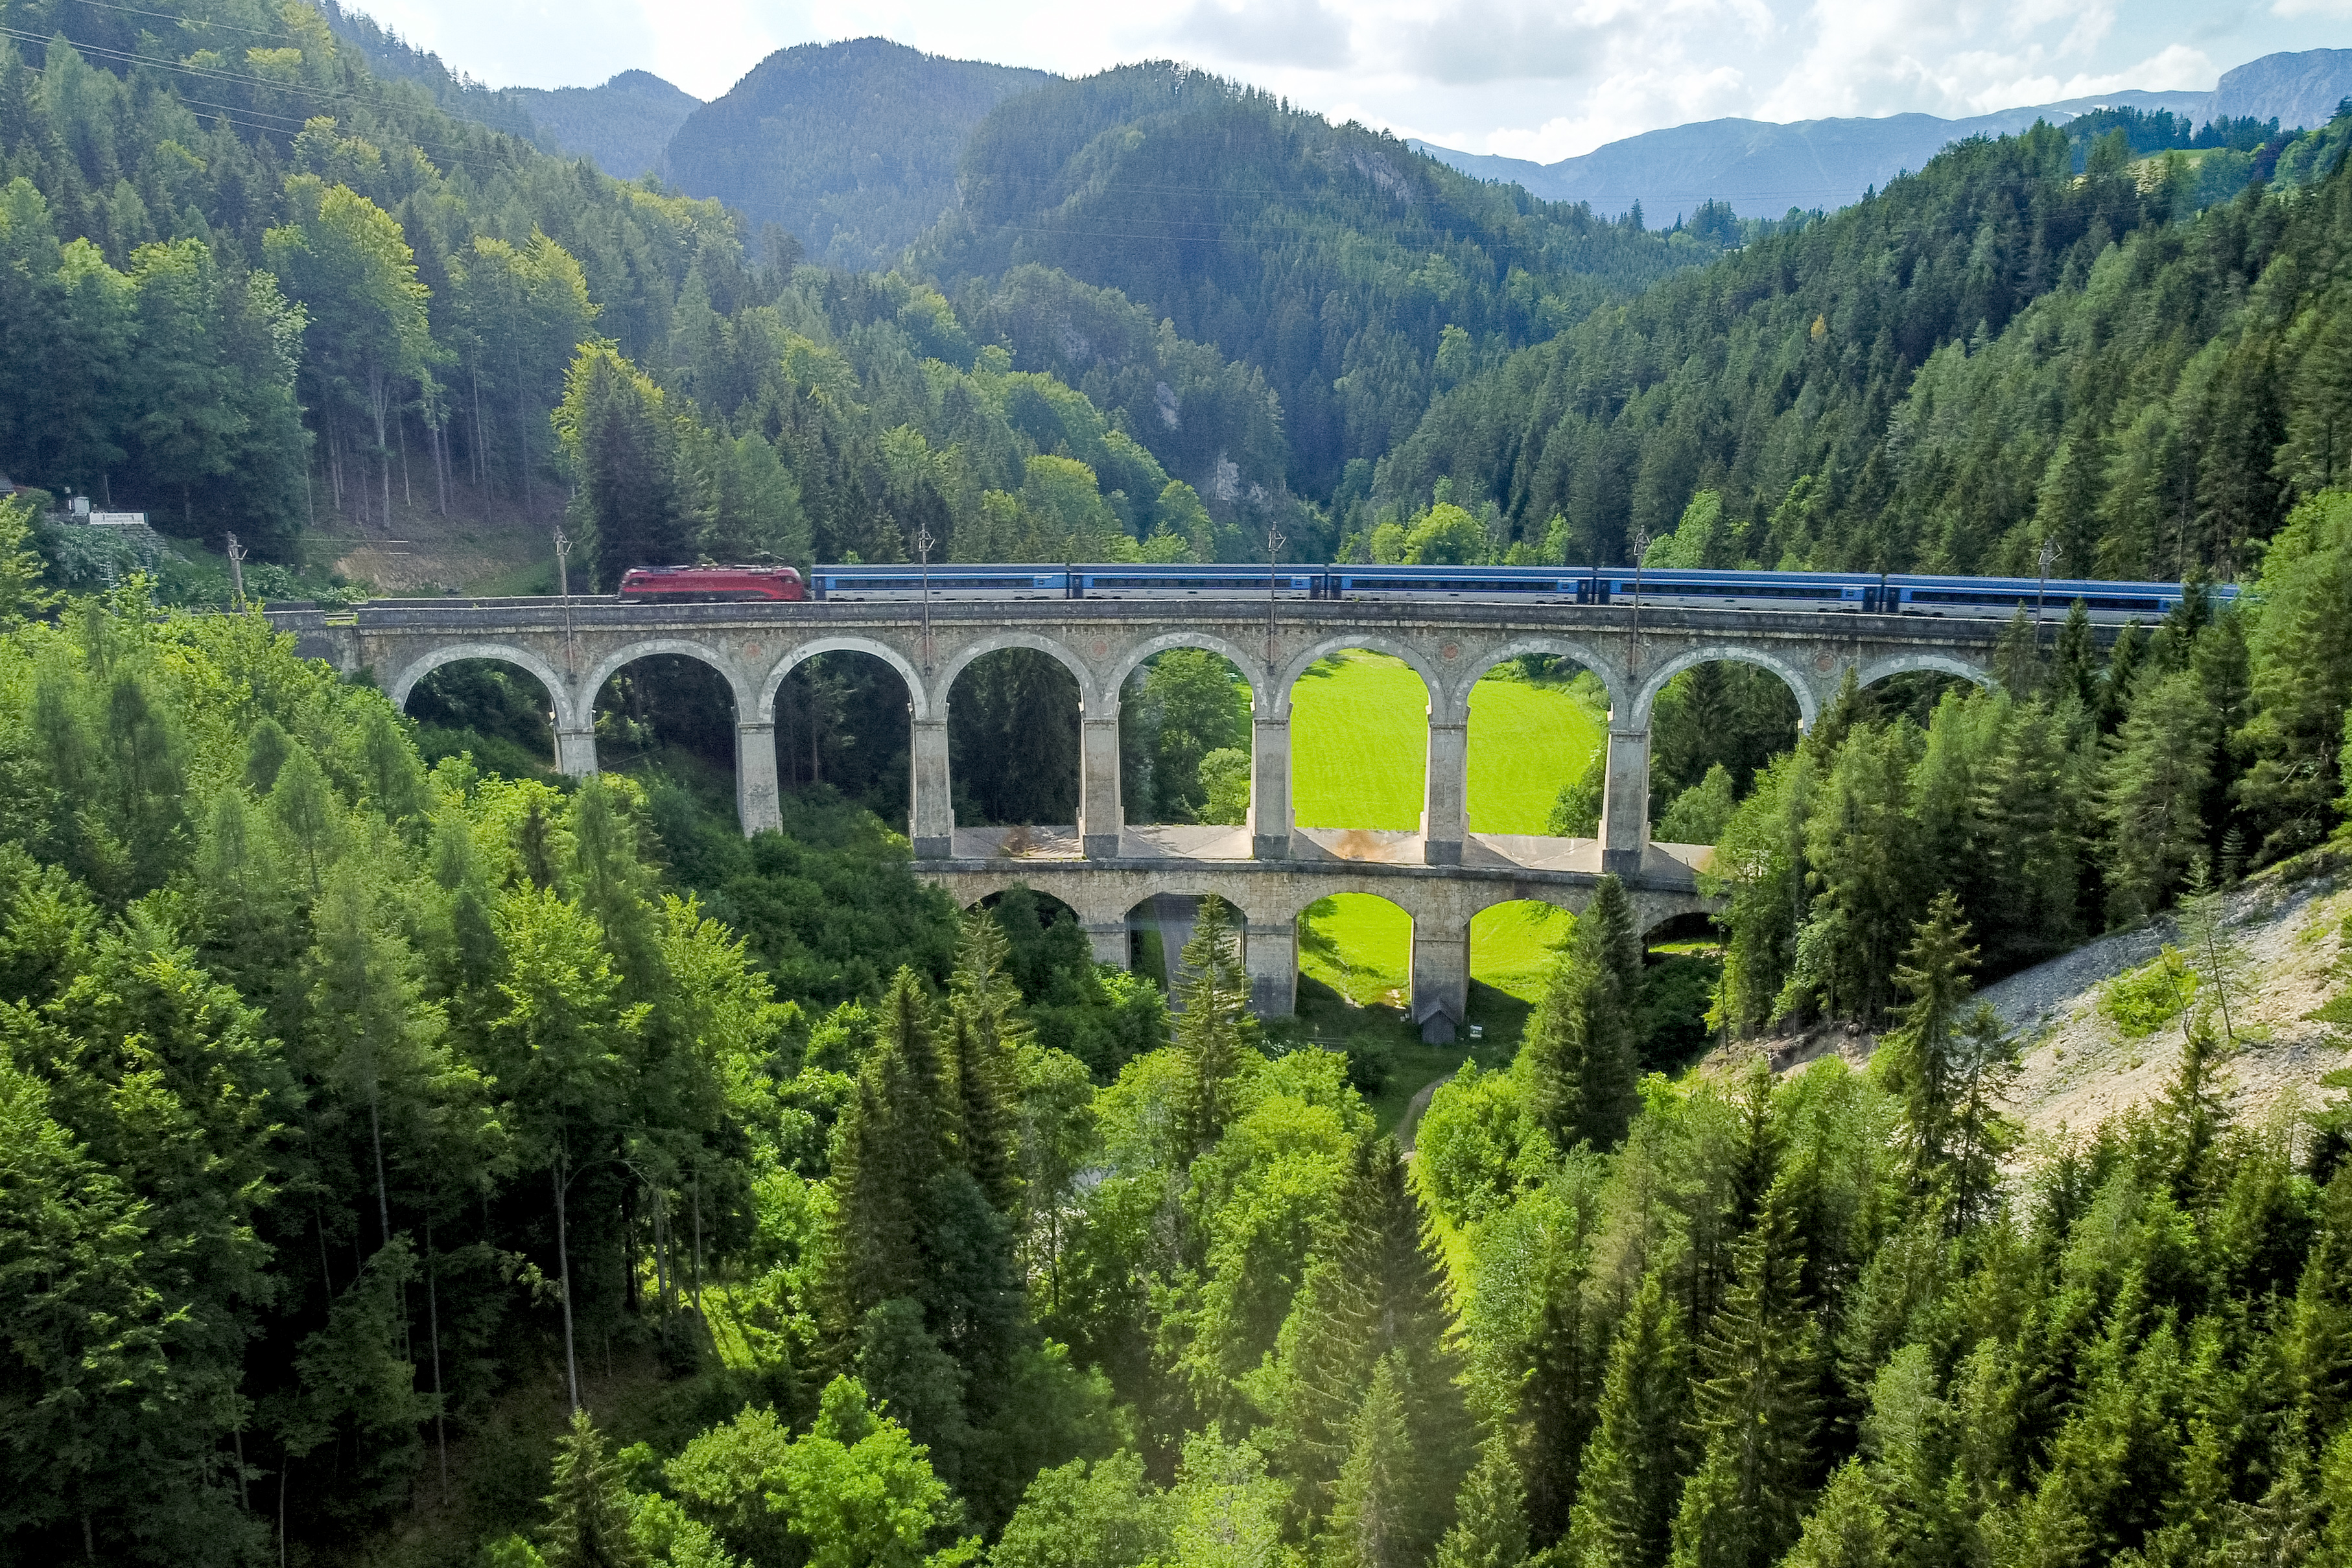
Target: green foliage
<point x="852" y="1491"/>
<point x="2143" y="1000"/>
<point x="1577" y="1067"/>
<point x="773" y="147"/>
<point x="1182" y="709"/>
<point x="1980" y="368"/>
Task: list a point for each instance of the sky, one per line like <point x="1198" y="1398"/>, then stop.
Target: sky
<point x="1528" y="79"/>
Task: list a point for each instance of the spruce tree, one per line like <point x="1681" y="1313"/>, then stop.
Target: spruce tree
<point x="2075" y="662"/>
<point x="1632" y="1469"/>
<point x="1981" y="1132"/>
<point x="2154" y="790"/>
<point x="2122" y="684"/>
<point x="1490" y="1529"/>
<point x="2017" y="658"/>
<point x="611" y="882"/>
<point x="984" y="1030"/>
<point x="1848" y="1529"/>
<point x="1375" y="1293"/>
<point x="588" y="1510"/>
<point x="1922" y="1057"/>
<point x="1755" y="1412"/>
<point x="2319" y="1336"/>
<point x="1581" y="1060"/>
<point x="1215" y="1038"/>
<point x="891" y="1144"/>
<point x="1381" y="1516"/>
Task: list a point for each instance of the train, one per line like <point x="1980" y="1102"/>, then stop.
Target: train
<point x="1861" y="593"/>
<point x="706" y="584"/>
<point x="1870" y="593"/>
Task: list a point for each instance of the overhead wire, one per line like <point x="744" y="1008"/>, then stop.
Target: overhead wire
<point x="331" y="96"/>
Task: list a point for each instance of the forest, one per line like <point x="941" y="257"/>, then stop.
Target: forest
<point x="408" y="1157"/>
<point x="412" y="1164"/>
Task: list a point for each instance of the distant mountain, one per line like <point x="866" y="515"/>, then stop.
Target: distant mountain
<point x="2301" y="90"/>
<point x="852" y="147"/>
<point x="621" y="127"/>
<point x="1763" y="168"/>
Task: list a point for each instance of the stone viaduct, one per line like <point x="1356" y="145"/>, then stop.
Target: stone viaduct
<point x="1271" y="869"/>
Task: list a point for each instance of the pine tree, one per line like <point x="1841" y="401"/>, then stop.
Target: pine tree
<point x="1633" y="1470"/>
<point x="1490" y="1527"/>
<point x="1579" y="1063"/>
<point x="1921" y="1056"/>
<point x="1755" y="1412"/>
<point x="588" y="1510"/>
<point x="1215" y="1038"/>
<point x="2154" y="792"/>
<point x="1379" y="1518"/>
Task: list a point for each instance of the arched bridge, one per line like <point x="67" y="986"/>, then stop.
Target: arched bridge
<point x="1442" y="873"/>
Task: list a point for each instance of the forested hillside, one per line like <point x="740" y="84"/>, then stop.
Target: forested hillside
<point x="622" y="125"/>
<point x="852" y="147"/>
<point x="1992" y="353"/>
<point x="251" y="287"/>
<point x="1333" y="258"/>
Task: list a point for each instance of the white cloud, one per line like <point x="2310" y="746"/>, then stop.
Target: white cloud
<point x="1534" y="79"/>
<point x="1277" y="32"/>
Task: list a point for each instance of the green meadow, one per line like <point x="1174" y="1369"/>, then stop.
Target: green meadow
<point x="1359" y="740"/>
<point x="1359" y="737"/>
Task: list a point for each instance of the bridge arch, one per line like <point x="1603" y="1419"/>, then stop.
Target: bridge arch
<point x="746" y="697"/>
<point x="944" y="681"/>
<point x="559" y="690"/>
<point x="919" y="696"/>
<point x="1611" y="678"/>
<point x="1113" y="679"/>
<point x="1912" y="660"/>
<point x="1373" y="642"/>
<point x="1798" y="684"/>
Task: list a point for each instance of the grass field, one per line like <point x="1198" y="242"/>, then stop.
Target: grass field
<point x="1359" y="742"/>
<point x="1526" y="742"/>
<point x="1359" y="745"/>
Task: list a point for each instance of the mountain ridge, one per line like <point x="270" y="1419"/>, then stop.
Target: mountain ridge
<point x="622" y="126"/>
<point x="1763" y="168"/>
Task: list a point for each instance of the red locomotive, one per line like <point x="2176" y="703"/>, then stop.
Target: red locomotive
<point x="649" y="583"/>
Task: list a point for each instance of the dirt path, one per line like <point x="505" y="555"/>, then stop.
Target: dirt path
<point x="1410" y="1123"/>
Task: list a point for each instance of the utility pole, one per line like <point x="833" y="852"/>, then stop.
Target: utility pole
<point x="923" y="542"/>
<point x="563" y="580"/>
<point x="2044" y="559"/>
<point x="1273" y="555"/>
<point x="1641" y="549"/>
<point x="237" y="574"/>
